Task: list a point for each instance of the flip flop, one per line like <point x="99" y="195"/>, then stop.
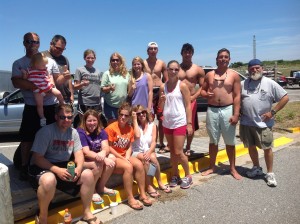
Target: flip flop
<point x="89" y="221"/>
<point x="109" y="192"/>
<point x="166" y="189"/>
<point x="153" y="194"/>
<point x="163" y="149"/>
<point x="146" y="201"/>
<point x="136" y="206"/>
<point x="97" y="199"/>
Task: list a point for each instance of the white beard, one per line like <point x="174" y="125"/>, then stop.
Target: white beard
<point x="256" y="75"/>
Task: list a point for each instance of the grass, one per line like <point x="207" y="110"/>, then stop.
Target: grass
<point x="289" y="116"/>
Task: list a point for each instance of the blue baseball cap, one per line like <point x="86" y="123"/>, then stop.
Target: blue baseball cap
<point x="254" y="62"/>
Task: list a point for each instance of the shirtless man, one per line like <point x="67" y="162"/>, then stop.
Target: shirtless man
<point x="158" y="70"/>
<point x="192" y="75"/>
<point x="222" y="88"/>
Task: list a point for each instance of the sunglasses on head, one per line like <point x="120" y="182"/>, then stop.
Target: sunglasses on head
<point x="140" y="113"/>
<point x="62" y="117"/>
<point x="32" y="41"/>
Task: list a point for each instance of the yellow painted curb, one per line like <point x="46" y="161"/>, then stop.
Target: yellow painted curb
<point x="195" y="166"/>
<point x="294" y="130"/>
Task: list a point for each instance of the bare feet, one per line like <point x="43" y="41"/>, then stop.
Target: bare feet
<point x="208" y="172"/>
<point x="236" y="175"/>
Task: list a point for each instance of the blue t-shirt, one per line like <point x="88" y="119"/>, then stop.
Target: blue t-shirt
<point x="93" y="141"/>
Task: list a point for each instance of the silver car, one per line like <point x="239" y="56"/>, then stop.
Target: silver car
<point x="11" y="112"/>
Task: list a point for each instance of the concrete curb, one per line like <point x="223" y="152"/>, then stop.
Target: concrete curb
<point x="196" y="165"/>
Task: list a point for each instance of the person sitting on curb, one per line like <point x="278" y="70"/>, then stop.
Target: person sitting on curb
<point x="53" y="148"/>
<point x="143" y="147"/>
<point x="120" y="138"/>
<point x="96" y="152"/>
<point x="257" y="117"/>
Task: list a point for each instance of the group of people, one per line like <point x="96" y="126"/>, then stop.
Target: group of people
<point x="125" y="144"/>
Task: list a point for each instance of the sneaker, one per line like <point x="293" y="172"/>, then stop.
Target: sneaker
<point x="186" y="182"/>
<point x="271" y="181"/>
<point x="43" y="122"/>
<point x="255" y="171"/>
<point x="175" y="181"/>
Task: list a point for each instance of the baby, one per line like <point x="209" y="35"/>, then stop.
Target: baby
<point x="38" y="74"/>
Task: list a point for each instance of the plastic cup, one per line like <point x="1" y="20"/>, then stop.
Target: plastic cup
<point x="113" y="208"/>
<point x="151" y="170"/>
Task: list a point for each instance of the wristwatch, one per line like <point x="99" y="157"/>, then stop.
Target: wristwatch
<point x="273" y="112"/>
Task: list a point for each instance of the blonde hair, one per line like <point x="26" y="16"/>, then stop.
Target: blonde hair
<point x="123" y="71"/>
<point x="140" y="60"/>
<point x="38" y="58"/>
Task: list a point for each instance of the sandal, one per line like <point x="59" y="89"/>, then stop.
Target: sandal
<point x="89" y="221"/>
<point x="153" y="194"/>
<point x="163" y="149"/>
<point x="109" y="192"/>
<point x="166" y="189"/>
<point x="97" y="199"/>
<point x="136" y="206"/>
<point x="146" y="201"/>
<point x="187" y="152"/>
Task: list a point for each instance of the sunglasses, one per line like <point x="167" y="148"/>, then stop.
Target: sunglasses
<point x="32" y="41"/>
<point x="59" y="48"/>
<point x="141" y="113"/>
<point x="114" y="60"/>
<point x="123" y="115"/>
<point x="174" y="69"/>
<point x="62" y="117"/>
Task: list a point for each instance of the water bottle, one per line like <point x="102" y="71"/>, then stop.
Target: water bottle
<point x="67" y="217"/>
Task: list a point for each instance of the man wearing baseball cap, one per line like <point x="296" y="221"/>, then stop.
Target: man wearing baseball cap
<point x="257" y="117"/>
<point x="158" y="70"/>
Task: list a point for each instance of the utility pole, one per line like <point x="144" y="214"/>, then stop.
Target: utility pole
<point x="254" y="47"/>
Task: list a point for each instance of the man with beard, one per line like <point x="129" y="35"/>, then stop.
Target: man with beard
<point x="222" y="88"/>
<point x="257" y="117"/>
<point x="30" y="120"/>
<point x="57" y="47"/>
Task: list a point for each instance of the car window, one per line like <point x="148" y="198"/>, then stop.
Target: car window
<point x="16" y="98"/>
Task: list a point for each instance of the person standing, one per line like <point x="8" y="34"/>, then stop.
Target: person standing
<point x="52" y="150"/>
<point x="31" y="121"/>
<point x="175" y="101"/>
<point x="222" y="88"/>
<point x="158" y="70"/>
<point x="114" y="86"/>
<point x="57" y="47"/>
<point x="192" y="75"/>
<point x="87" y="80"/>
<point x="140" y="86"/>
<point x="257" y="117"/>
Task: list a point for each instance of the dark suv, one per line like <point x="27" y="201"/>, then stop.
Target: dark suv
<point x="202" y="102"/>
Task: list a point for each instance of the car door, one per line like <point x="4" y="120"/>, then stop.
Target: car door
<point x="11" y="112"/>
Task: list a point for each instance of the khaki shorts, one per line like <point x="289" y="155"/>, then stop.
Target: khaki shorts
<point x="260" y="137"/>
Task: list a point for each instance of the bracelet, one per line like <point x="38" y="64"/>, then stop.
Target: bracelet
<point x="189" y="123"/>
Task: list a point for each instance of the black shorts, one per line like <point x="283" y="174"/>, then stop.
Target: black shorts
<point x="31" y="121"/>
<point x="35" y="172"/>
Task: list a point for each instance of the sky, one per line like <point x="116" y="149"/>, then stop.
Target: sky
<point x="127" y="26"/>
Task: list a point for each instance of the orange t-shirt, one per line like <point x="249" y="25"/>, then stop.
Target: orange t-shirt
<point x="120" y="138"/>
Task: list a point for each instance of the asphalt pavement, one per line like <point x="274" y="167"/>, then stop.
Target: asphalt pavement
<point x="222" y="199"/>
